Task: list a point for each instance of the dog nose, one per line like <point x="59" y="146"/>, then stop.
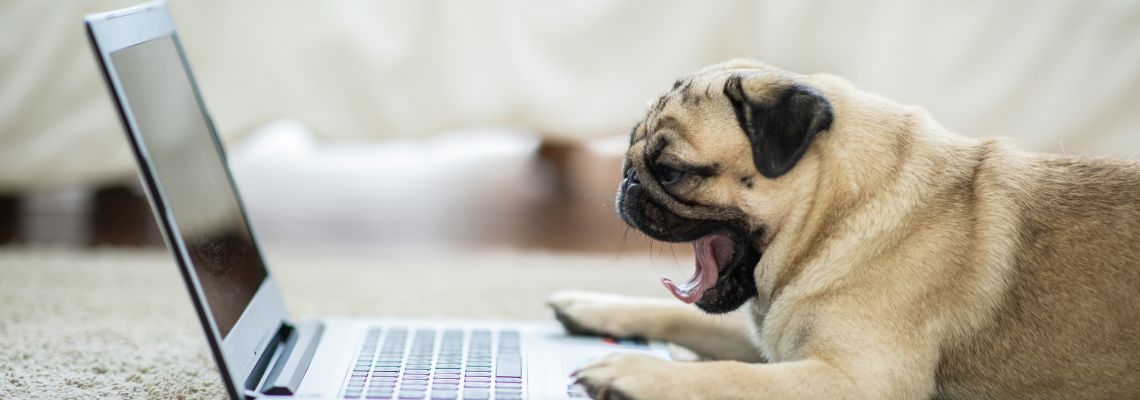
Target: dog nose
<point x="631" y="175"/>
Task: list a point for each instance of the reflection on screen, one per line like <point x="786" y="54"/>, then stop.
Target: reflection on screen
<point x="190" y="173"/>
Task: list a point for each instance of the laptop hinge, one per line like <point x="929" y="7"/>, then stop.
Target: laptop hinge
<point x="272" y="348"/>
<point x="286" y="359"/>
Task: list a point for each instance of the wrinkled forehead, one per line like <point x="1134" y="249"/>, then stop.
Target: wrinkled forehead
<point x="677" y="110"/>
<point x="697" y="102"/>
<point x="700" y="97"/>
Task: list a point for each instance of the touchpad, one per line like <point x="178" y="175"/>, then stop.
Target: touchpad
<point x="578" y="351"/>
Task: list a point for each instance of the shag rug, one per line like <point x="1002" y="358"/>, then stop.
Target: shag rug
<point x="115" y="323"/>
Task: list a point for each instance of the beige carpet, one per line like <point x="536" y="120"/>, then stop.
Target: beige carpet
<point x="118" y="324"/>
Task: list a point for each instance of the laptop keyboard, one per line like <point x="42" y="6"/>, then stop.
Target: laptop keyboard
<point x="398" y="363"/>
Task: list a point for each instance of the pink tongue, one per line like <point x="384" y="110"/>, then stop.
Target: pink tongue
<point x="713" y="253"/>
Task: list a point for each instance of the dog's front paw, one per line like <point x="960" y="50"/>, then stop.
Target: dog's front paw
<point x="630" y="376"/>
<point x="598" y="314"/>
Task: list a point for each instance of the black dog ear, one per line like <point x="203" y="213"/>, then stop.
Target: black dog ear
<point x="780" y="128"/>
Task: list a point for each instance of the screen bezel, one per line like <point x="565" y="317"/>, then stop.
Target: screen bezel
<point x="238" y="352"/>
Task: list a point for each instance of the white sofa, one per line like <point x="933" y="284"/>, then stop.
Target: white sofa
<point x="1058" y="75"/>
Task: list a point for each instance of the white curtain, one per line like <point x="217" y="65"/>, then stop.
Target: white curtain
<point x="1058" y="75"/>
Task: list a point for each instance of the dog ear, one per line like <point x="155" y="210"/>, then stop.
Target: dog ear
<point x="781" y="127"/>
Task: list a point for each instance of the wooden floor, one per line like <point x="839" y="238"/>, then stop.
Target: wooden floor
<point x="576" y="216"/>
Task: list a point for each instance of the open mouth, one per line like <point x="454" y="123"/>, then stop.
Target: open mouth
<point x="714" y="254"/>
<point x="726" y="251"/>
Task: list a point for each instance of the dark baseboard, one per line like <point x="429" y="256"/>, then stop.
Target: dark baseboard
<point x="120" y="216"/>
<point x="9" y="219"/>
<point x="113" y="215"/>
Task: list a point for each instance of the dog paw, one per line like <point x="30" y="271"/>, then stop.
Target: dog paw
<point x="629" y="377"/>
<point x="597" y="314"/>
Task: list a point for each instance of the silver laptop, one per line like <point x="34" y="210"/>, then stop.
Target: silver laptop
<point x="262" y="352"/>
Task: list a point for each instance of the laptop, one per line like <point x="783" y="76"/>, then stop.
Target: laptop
<point x="260" y="350"/>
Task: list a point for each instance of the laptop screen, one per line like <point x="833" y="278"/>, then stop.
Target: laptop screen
<point x="191" y="176"/>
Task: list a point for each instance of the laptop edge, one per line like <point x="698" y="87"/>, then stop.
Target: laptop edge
<point x="264" y="353"/>
<point x="263" y="323"/>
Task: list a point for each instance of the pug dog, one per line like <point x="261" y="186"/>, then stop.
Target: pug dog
<point x="873" y="253"/>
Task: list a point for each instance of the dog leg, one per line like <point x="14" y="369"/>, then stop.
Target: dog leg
<point x="883" y="363"/>
<point x="641" y="377"/>
<point x="719" y="337"/>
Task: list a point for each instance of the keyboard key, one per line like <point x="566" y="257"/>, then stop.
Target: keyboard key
<point x="509" y="367"/>
<point x="476" y="394"/>
<point x="508" y="396"/>
<point x="489" y="356"/>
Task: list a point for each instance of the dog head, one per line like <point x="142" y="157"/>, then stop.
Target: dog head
<point x="716" y="162"/>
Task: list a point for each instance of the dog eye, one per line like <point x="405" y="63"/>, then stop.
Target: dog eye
<point x="669" y="175"/>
